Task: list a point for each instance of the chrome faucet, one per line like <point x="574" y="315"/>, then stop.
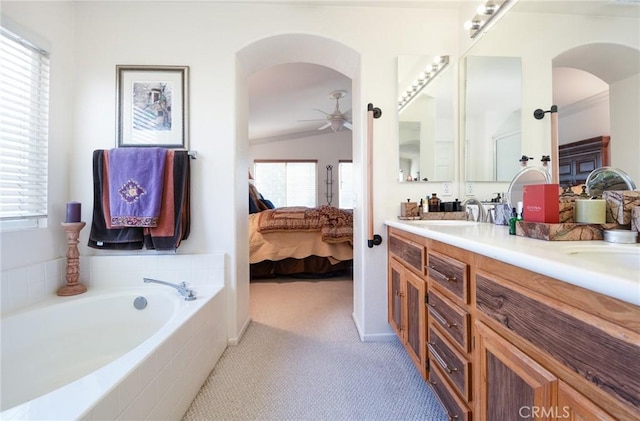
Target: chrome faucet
<point x="482" y="214"/>
<point x="188" y="294"/>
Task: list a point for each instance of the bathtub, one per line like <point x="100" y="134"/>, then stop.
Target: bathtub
<point x="95" y="356"/>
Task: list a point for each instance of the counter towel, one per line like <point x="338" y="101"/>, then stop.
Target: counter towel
<point x="135" y="186"/>
<point x="175" y="218"/>
<point x="100" y="236"/>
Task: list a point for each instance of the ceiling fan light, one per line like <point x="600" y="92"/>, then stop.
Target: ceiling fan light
<point x="336" y="125"/>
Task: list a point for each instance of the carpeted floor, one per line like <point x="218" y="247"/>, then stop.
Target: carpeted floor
<point x="301" y="359"/>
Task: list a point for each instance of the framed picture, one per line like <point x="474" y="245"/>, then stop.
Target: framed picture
<point x="152" y="106"/>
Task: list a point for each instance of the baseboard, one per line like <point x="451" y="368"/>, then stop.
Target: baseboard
<point x="236" y="340"/>
<point x="375" y="337"/>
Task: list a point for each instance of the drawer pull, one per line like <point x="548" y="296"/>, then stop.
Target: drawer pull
<point x="439" y="359"/>
<point x="441" y="319"/>
<point x="399" y="294"/>
<point x="447" y="278"/>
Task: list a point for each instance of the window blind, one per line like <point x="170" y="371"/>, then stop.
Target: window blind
<point x="24" y="125"/>
<point x="287" y="183"/>
<point x="345" y="189"/>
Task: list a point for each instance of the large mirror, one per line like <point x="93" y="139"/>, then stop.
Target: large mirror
<point x="426" y="118"/>
<point x="492" y="117"/>
<point x="584" y="57"/>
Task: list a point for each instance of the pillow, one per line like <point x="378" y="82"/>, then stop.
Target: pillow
<point x="267" y="203"/>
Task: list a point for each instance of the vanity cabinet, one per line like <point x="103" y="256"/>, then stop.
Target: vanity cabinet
<point x="570" y="352"/>
<point x="503" y="342"/>
<point x="449" y="336"/>
<point x="406" y="296"/>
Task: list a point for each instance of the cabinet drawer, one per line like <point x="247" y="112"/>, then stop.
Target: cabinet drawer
<point x="410" y="253"/>
<point x="451" y="274"/>
<point x="453" y="406"/>
<point x="454" y="320"/>
<point x="606" y="357"/>
<point x="454" y="366"/>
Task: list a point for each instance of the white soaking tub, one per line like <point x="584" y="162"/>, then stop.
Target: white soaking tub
<point x="95" y="356"/>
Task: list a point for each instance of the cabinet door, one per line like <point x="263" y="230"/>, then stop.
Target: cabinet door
<point x="573" y="406"/>
<point x="415" y="330"/>
<point x="395" y="295"/>
<point x="512" y="385"/>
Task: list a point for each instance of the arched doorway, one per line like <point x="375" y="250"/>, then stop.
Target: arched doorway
<point x="591" y="85"/>
<point x="262" y="54"/>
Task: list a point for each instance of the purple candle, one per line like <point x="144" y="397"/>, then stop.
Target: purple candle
<point x="73" y="212"/>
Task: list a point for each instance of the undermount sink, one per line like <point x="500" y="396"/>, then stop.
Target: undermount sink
<point x="625" y="256"/>
<point x="441" y="222"/>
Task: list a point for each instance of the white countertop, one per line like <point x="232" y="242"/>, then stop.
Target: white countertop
<point x="608" y="268"/>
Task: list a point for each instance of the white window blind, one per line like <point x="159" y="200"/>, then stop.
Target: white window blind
<point x="287" y="183"/>
<point x="24" y="123"/>
<point x="345" y="188"/>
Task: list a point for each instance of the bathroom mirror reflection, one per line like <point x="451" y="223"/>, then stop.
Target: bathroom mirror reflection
<point x="426" y="121"/>
<point x="586" y="65"/>
<point x="492" y="117"/>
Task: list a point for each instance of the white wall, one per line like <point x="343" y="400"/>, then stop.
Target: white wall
<point x="207" y="37"/>
<point x="326" y="148"/>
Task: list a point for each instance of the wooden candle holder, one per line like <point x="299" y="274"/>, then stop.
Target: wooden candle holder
<point x="73" y="287"/>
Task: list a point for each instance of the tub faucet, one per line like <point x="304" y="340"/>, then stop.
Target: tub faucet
<point x="188" y="294"/>
<point x="481" y="212"/>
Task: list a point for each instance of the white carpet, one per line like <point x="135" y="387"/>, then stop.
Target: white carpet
<point x="301" y="359"/>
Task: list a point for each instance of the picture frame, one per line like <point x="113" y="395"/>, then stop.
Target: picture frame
<point x="152" y="106"/>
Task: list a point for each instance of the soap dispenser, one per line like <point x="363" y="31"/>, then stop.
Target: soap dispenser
<point x="434" y="203"/>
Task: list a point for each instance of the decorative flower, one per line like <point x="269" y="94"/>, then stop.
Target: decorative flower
<point x="131" y="191"/>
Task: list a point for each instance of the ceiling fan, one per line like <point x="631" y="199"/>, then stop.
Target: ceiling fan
<point x="337" y="119"/>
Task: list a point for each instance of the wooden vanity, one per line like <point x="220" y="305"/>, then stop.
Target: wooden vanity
<point x="497" y="341"/>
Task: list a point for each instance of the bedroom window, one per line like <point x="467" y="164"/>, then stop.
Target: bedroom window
<point x="287" y="183"/>
<point x="24" y="106"/>
<point x="345" y="186"/>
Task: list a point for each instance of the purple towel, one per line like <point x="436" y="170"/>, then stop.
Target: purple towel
<point x="136" y="178"/>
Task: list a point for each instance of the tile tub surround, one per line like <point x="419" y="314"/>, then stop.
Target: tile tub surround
<point x="27" y="285"/>
<point x="162" y="386"/>
<point x="157" y="379"/>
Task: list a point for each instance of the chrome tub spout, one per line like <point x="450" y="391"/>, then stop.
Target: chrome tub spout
<point x="188" y="294"/>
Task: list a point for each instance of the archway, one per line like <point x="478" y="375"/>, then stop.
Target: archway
<point x="606" y="73"/>
<point x="262" y="54"/>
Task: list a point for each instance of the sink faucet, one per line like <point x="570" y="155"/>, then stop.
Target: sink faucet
<point x="188" y="294"/>
<point x="482" y="215"/>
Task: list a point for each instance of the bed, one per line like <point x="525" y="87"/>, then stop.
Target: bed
<point x="300" y="241"/>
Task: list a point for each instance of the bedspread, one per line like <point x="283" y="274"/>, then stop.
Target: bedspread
<point x="335" y="225"/>
<point x="279" y="245"/>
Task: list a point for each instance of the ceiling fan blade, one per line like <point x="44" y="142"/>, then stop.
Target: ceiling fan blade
<point x="347" y="125"/>
<point x="317" y="109"/>
<point x="324" y="126"/>
<point x="315" y="119"/>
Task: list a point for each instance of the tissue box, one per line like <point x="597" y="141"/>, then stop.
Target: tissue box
<point x="567" y="212"/>
<point x="541" y="203"/>
<point x="635" y="218"/>
<point x="409" y="209"/>
<point x="619" y="205"/>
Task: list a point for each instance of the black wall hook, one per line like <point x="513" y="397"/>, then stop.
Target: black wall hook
<point x="377" y="112"/>
<point x="539" y="113"/>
